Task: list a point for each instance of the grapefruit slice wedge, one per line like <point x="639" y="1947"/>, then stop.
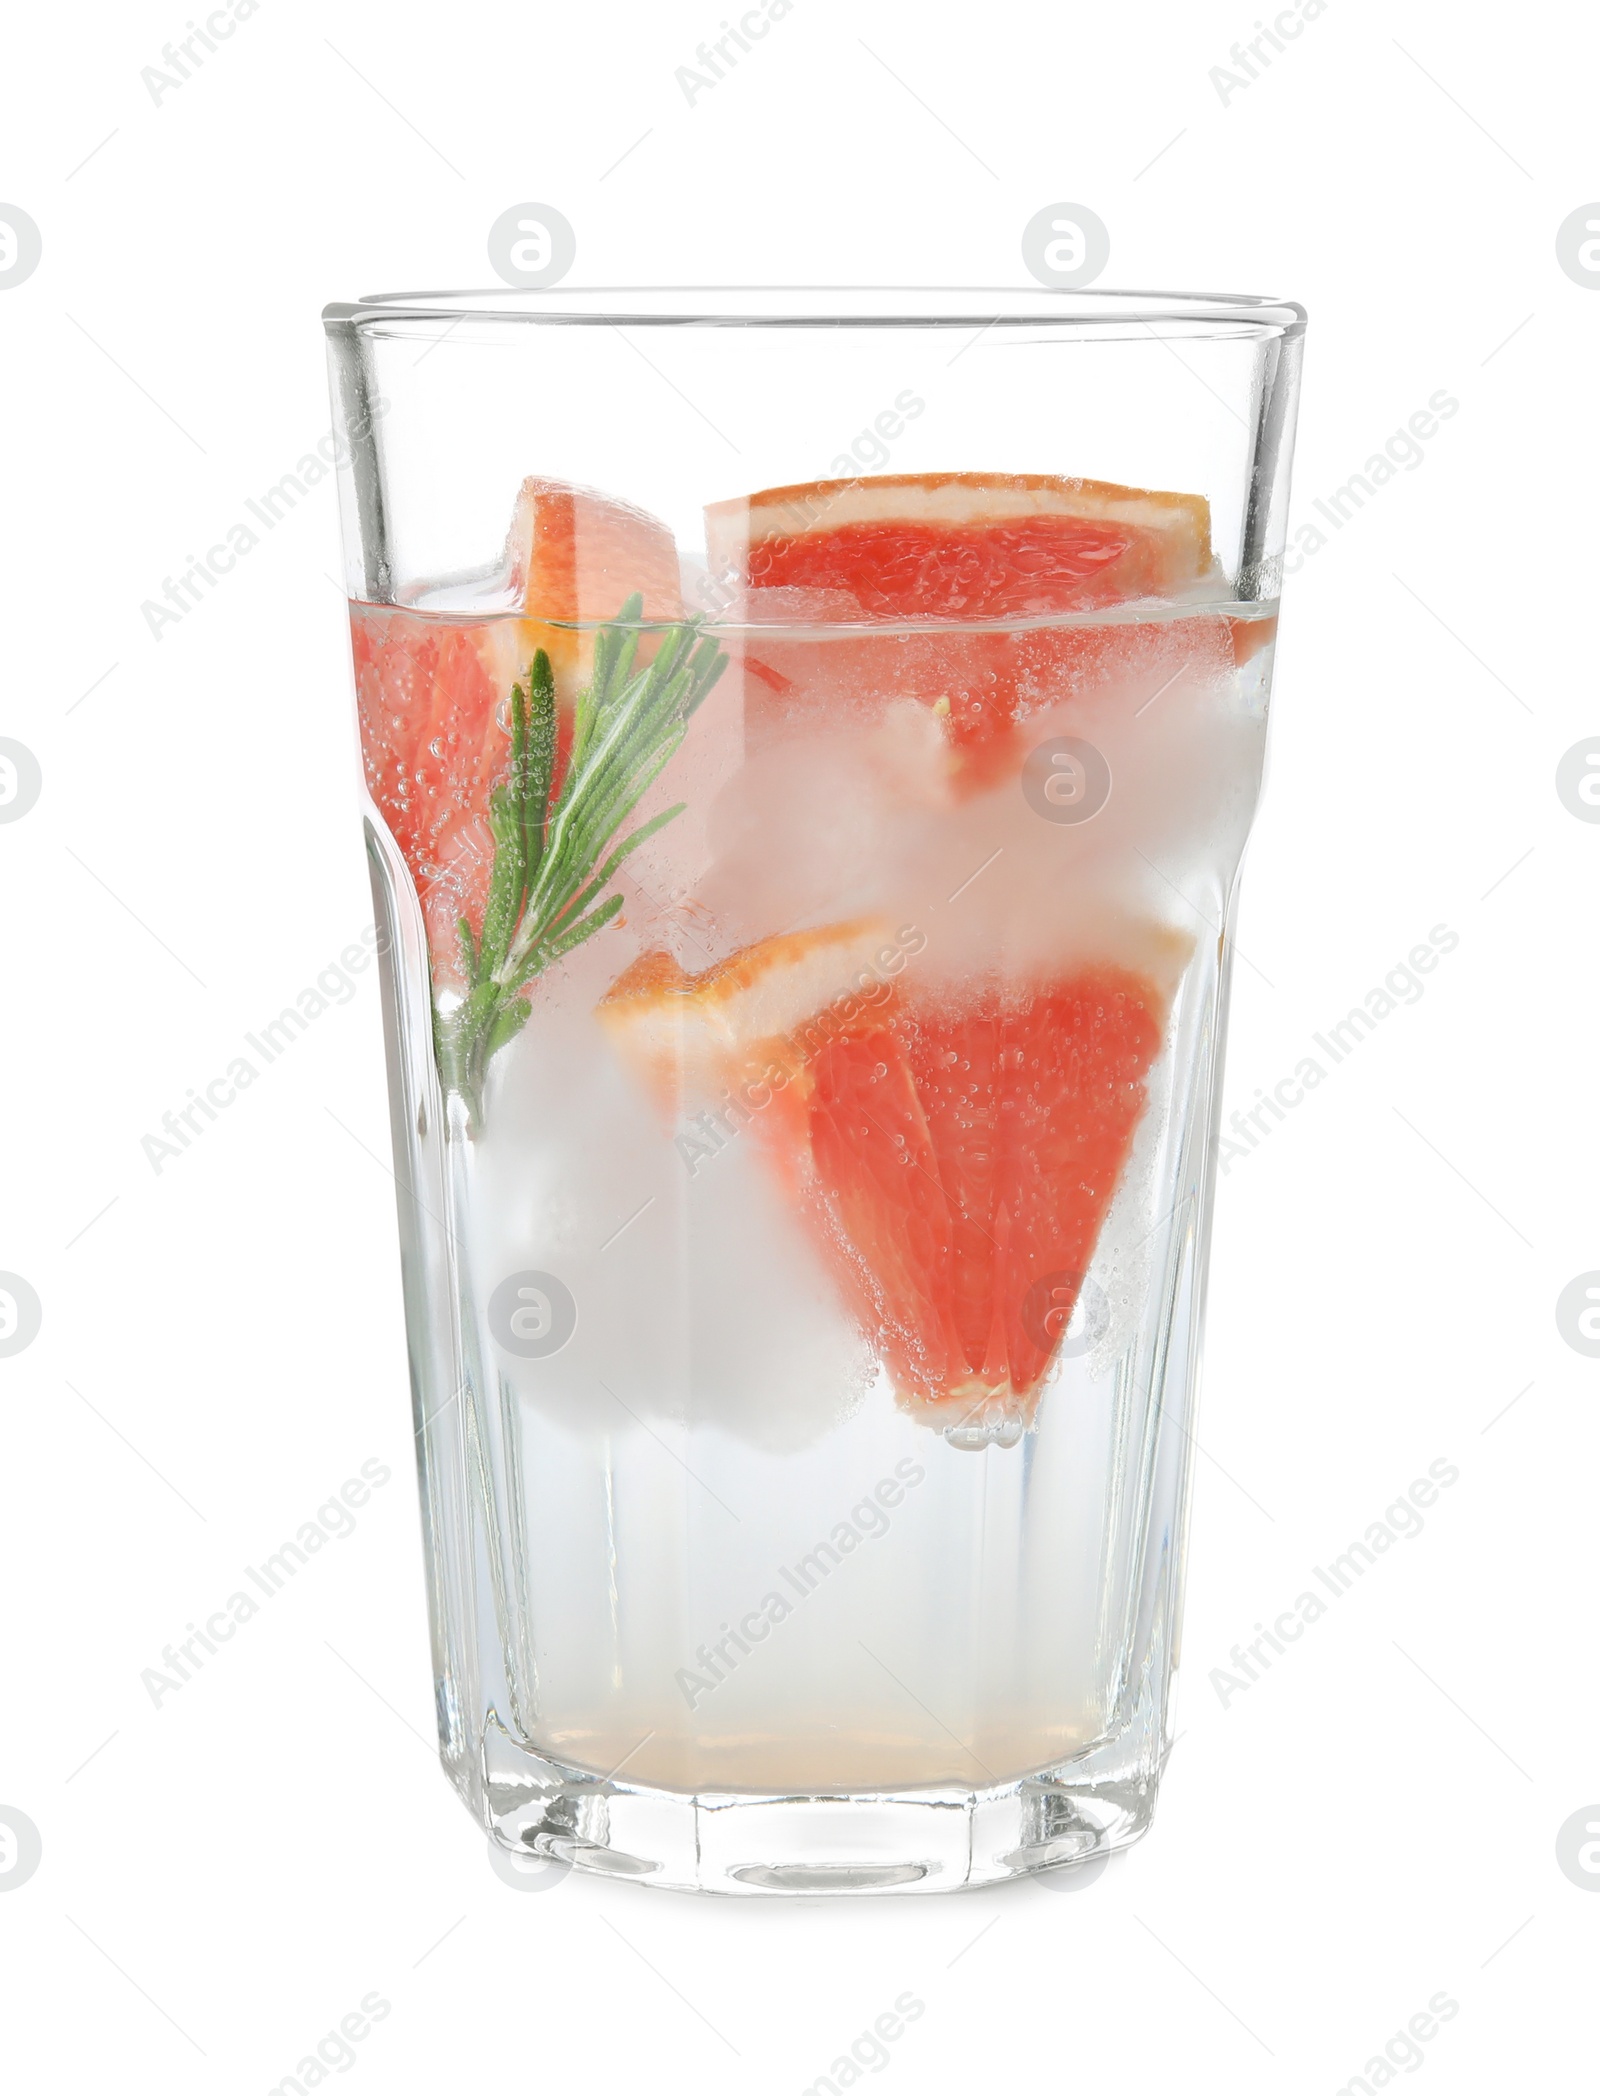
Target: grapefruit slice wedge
<point x="432" y="692"/>
<point x="921" y="552"/>
<point x="965" y="1159"/>
<point x="952" y="1150"/>
<point x="964" y="545"/>
<point x="573" y="554"/>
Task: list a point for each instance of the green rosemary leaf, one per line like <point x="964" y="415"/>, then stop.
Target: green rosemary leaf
<point x="709" y="664"/>
<point x="611" y="644"/>
<point x="634" y="838"/>
<point x="473" y="1014"/>
<point x="626" y="650"/>
<point x="508" y="1021"/>
<point x="507" y="881"/>
<point x="539" y="761"/>
<point x="562" y="942"/>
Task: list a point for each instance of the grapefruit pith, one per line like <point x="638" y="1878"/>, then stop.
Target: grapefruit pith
<point x="756" y="1017"/>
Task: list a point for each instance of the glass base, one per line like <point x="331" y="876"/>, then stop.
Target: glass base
<point x="903" y="1841"/>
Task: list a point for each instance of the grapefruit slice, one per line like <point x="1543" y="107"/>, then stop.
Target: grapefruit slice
<point x="432" y="690"/>
<point x="427" y="694"/>
<point x="965" y="1159"/>
<point x="991" y="550"/>
<point x="953" y="1151"/>
<point x="574" y="554"/>
<point x="964" y="545"/>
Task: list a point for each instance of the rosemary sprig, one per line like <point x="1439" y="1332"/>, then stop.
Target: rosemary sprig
<point x="555" y="853"/>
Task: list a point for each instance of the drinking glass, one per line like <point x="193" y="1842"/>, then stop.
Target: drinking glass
<point x="810" y="738"/>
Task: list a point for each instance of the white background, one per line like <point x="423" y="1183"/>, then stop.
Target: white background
<point x="1373" y="1821"/>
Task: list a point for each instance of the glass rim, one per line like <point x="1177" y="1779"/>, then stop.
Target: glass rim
<point x="1148" y="313"/>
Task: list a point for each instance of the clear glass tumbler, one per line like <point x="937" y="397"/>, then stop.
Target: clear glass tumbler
<point x="810" y="739"/>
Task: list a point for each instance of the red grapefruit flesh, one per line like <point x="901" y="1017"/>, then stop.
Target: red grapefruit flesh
<point x="964" y="1162"/>
<point x="966" y="547"/>
<point x="427" y="695"/>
